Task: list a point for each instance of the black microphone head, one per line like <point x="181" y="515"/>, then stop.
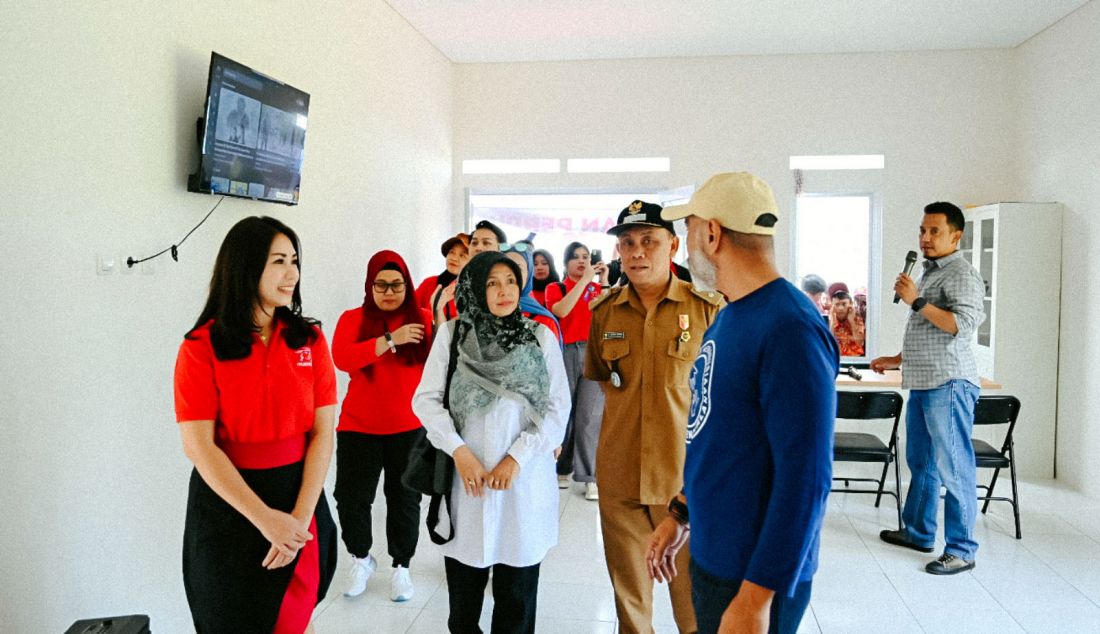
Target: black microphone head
<point x="911" y="256"/>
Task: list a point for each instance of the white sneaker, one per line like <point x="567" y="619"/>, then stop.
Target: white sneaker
<point x="563" y="482"/>
<point x="359" y="574"/>
<point x="401" y="585"/>
<point x="591" y="492"/>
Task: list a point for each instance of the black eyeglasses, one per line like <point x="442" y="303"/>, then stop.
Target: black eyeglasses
<point x="521" y="247"/>
<point x="383" y="287"/>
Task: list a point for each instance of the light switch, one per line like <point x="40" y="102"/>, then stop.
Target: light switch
<point x="105" y="264"/>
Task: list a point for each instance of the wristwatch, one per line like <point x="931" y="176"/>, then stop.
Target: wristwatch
<point x="390" y="343"/>
<point x="678" y="510"/>
<point x="918" y="304"/>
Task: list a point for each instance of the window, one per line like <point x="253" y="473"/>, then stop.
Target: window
<point x="834" y="242"/>
<point x="557" y="218"/>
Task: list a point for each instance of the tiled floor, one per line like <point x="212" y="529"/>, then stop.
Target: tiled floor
<point x="1047" y="582"/>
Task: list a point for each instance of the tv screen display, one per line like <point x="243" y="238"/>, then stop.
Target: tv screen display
<point x="253" y="135"/>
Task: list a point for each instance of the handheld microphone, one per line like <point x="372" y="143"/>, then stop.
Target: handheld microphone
<point x="910" y="260"/>
<point x="852" y="372"/>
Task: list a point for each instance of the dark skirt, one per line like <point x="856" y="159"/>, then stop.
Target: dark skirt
<point x="227" y="588"/>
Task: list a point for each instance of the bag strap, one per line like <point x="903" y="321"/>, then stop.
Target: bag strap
<point x="452" y="361"/>
<point x="433" y="518"/>
<point x="443" y="467"/>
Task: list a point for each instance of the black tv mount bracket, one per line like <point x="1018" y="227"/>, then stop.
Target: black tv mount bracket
<point x="193" y="178"/>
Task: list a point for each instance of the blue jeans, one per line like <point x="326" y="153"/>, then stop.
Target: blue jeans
<point x="939" y="423"/>
<point x="711" y="595"/>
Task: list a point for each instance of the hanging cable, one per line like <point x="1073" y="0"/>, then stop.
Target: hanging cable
<point x="174" y="249"/>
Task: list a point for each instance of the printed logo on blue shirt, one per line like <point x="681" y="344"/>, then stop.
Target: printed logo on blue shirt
<point x="701" y="374"/>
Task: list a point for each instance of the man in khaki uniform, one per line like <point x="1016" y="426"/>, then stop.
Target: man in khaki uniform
<point x="641" y="346"/>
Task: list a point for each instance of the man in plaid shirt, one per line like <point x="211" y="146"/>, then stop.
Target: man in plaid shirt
<point x="939" y="371"/>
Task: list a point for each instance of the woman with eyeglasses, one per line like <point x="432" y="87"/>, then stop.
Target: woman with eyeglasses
<point x="383" y="345"/>
<point x="521" y="254"/>
<point x="505" y="411"/>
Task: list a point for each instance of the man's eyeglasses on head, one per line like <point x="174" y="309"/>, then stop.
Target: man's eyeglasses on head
<point x="521" y="247"/>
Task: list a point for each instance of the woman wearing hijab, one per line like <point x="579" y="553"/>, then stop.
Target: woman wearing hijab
<point x="507" y="406"/>
<point x="436" y="293"/>
<point x="520" y="253"/>
<point x="255" y="395"/>
<point x="544" y="273"/>
<point x="383" y="345"/>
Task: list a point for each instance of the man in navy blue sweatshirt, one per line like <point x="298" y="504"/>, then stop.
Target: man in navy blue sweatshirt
<point x="760" y="430"/>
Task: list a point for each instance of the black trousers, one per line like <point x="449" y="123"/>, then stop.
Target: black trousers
<point x="515" y="593"/>
<point x="360" y="461"/>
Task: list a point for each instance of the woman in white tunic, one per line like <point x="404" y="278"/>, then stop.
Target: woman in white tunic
<point x="508" y="404"/>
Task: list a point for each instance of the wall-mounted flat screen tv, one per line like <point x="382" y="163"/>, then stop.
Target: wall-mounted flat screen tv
<point x="252" y="137"/>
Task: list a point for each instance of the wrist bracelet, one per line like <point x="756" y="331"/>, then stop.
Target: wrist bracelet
<point x="390" y="343"/>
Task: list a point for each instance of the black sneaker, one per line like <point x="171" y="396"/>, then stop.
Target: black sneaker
<point x="901" y="538"/>
<point x="949" y="565"/>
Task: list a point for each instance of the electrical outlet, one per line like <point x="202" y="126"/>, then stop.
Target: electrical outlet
<point x="148" y="268"/>
<point x="124" y="268"/>
<point x="105" y="264"/>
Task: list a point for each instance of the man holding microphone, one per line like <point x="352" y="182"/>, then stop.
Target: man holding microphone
<point x="939" y="370"/>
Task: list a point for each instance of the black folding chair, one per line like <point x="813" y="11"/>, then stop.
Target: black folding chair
<point x="865" y="447"/>
<point x="998" y="410"/>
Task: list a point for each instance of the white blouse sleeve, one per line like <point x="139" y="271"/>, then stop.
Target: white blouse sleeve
<point x="552" y="433"/>
<point x="427" y="402"/>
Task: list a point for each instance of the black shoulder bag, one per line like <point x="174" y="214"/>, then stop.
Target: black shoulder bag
<point x="430" y="471"/>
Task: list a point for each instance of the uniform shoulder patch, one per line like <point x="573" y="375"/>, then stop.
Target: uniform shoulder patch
<point x="606" y="295"/>
<point x="711" y="297"/>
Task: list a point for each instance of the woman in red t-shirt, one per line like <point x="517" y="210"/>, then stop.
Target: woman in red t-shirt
<point x="383" y="345"/>
<point x="430" y="294"/>
<point x="255" y="395"/>
<point x="569" y="302"/>
<point x="545" y="273"/>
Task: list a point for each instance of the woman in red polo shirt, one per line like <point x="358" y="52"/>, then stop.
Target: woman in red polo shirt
<point x="255" y="395"/>
<point x="383" y="345"/>
<point x="432" y="292"/>
<point x="569" y="302"/>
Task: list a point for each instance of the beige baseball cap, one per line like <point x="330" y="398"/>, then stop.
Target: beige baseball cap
<point x="738" y="200"/>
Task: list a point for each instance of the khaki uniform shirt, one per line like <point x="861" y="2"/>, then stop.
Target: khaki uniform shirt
<point x="641" y="450"/>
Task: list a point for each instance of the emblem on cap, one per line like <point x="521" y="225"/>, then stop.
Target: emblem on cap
<point x="635" y="206"/>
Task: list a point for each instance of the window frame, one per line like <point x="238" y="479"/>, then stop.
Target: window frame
<point x="873" y="324"/>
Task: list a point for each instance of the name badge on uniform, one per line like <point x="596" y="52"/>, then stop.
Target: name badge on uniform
<point x="607" y="336"/>
<point x="685" y="323"/>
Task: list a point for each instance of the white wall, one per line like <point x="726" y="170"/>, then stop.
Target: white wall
<point x="939" y="117"/>
<point x="99" y="106"/>
<point x="944" y="120"/>
<point x="1059" y="155"/>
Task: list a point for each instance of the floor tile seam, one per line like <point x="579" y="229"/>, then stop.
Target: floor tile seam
<point x="1068" y="581"/>
<point x="890" y="581"/>
<point x="1001" y="604"/>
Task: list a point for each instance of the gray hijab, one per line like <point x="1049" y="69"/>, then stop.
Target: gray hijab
<point x="498" y="357"/>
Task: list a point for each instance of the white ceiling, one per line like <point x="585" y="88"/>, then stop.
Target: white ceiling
<point x="470" y="31"/>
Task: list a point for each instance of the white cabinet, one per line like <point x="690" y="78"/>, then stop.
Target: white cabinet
<point x="1017" y="249"/>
